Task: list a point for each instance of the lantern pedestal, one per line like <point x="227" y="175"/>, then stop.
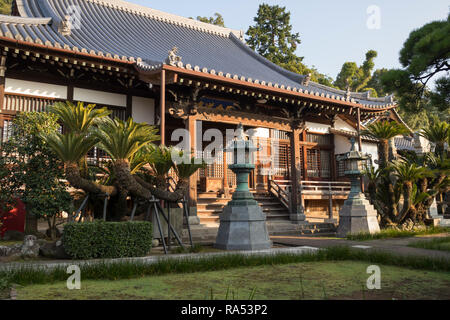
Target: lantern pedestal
<point x="242" y="222"/>
<point x="357" y="215"/>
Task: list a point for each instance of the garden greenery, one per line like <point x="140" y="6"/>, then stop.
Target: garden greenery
<point x="90" y="240"/>
<point x="404" y="186"/>
<point x="31" y="172"/>
<point x="134" y="162"/>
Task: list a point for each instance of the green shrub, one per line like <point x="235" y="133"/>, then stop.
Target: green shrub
<point x="100" y="239"/>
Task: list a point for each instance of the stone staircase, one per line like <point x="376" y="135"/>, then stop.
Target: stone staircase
<point x="206" y="234"/>
<point x="209" y="206"/>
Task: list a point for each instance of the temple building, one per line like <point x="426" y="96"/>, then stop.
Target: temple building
<point x="175" y="72"/>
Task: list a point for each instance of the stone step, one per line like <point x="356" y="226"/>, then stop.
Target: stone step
<point x="206" y="234"/>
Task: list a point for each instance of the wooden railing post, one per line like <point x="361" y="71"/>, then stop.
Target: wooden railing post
<point x="330" y="204"/>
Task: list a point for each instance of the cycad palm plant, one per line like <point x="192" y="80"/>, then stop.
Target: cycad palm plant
<point x="384" y="131"/>
<point x="129" y="144"/>
<point x="78" y="118"/>
<point x="407" y="175"/>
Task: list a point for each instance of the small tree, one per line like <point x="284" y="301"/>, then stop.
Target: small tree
<point x="31" y="172"/>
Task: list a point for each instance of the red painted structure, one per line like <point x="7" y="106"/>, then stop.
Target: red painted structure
<point x="13" y="219"/>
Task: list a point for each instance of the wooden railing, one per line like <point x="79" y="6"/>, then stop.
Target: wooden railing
<point x="281" y="192"/>
<point x="325" y="187"/>
<point x="20" y="103"/>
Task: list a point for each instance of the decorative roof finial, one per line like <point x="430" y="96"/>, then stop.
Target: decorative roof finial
<point x="348" y="93"/>
<point x="65" y="26"/>
<point x="173" y="58"/>
<point x="306" y="80"/>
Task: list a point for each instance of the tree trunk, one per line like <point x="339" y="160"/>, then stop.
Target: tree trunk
<point x="384" y="153"/>
<point x="31" y="223"/>
<point x="407" y="202"/>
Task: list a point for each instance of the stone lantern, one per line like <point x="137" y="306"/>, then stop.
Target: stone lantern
<point x="357" y="215"/>
<point x="242" y="222"/>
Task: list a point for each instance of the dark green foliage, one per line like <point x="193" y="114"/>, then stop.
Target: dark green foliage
<point x="135" y="269"/>
<point x="273" y="38"/>
<point x="30" y="171"/>
<point x="425" y="54"/>
<point x="272" y="35"/>
<point x="100" y="239"/>
<point x="5" y="6"/>
<point x="217" y="20"/>
<point x="354" y="77"/>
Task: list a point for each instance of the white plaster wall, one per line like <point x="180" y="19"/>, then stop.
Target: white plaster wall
<point x="341" y="144"/>
<point x="318" y="127"/>
<point x="100" y="97"/>
<point x="340" y="124"/>
<point x="143" y="110"/>
<point x="261" y="132"/>
<point x="372" y="149"/>
<point x="35" y="88"/>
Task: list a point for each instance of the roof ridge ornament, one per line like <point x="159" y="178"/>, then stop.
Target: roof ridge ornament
<point x="65" y="26"/>
<point x="173" y="59"/>
<point x="306" y="80"/>
<point x="348" y="93"/>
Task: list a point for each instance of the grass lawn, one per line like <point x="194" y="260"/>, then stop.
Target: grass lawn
<point x="442" y="244"/>
<point x="320" y="280"/>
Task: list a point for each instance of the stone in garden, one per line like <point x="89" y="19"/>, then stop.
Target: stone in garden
<point x="30" y="247"/>
<point x="53" y="250"/>
<point x="13" y="235"/>
<point x="4" y="250"/>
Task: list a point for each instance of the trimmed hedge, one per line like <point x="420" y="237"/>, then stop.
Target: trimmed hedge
<point x="99" y="239"/>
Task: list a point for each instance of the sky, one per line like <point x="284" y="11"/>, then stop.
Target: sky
<point x="331" y="32"/>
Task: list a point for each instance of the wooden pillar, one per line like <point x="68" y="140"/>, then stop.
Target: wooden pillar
<point x="226" y="190"/>
<point x="305" y="157"/>
<point x="70" y="92"/>
<point x="2" y="82"/>
<point x="359" y="140"/>
<point x="359" y="128"/>
<point x="191" y="126"/>
<point x="297" y="210"/>
<point x="162" y="108"/>
<point x="129" y="111"/>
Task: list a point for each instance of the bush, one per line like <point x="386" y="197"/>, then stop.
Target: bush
<point x="100" y="239"/>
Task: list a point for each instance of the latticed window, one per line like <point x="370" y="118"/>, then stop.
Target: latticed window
<point x="313" y="162"/>
<point x="320" y="139"/>
<point x="325" y="164"/>
<point x="284" y="159"/>
<point x="319" y="163"/>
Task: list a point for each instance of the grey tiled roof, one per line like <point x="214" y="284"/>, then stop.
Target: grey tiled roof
<point x="115" y="28"/>
<point x="404" y="143"/>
